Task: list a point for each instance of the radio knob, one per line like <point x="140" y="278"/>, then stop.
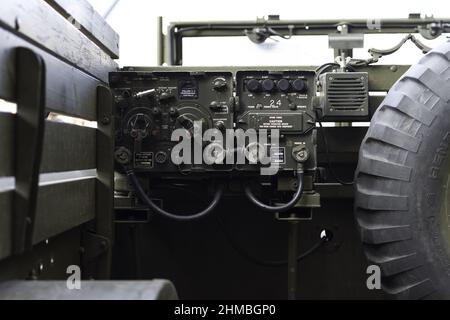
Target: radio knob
<point x="299" y="85"/>
<point x="283" y="85"/>
<point x="268" y="85"/>
<point x="253" y="85"/>
<point x="219" y="84"/>
<point x="173" y="112"/>
<point x="156" y="112"/>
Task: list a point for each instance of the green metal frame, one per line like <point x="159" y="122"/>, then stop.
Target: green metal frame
<point x="170" y="47"/>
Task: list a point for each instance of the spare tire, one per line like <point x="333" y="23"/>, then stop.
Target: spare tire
<point x="402" y="189"/>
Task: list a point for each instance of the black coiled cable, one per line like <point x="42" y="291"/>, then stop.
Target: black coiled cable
<point x="283" y="207"/>
<point x="146" y="200"/>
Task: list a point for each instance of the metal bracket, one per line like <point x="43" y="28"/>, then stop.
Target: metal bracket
<point x="345" y="41"/>
<point x="433" y="30"/>
<point x="378" y="53"/>
<point x="29" y="135"/>
<point x="260" y="34"/>
<point x="105" y="177"/>
<point x="93" y="246"/>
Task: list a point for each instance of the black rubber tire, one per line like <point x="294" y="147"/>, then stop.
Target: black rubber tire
<point x="402" y="182"/>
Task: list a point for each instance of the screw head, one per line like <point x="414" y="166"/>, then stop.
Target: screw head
<point x="104" y="244"/>
<point x="105" y="120"/>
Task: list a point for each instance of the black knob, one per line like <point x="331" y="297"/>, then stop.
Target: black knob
<point x="173" y="112"/>
<point x="156" y="112"/>
<point x="268" y="84"/>
<point x="299" y="85"/>
<point x="283" y="85"/>
<point x="253" y="85"/>
<point x="219" y="84"/>
<point x="126" y="94"/>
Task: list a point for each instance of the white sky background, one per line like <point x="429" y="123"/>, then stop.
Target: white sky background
<point x="135" y="21"/>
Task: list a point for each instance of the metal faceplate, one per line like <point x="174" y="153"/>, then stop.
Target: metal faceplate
<point x="150" y="106"/>
<point x="281" y="100"/>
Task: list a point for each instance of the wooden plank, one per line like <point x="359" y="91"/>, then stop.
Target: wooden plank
<point x="63" y="206"/>
<point x="69" y="90"/>
<point x="6" y="145"/>
<point x="6" y="199"/>
<point x="82" y="14"/>
<point x="39" y="22"/>
<point x="56" y="211"/>
<point x="66" y="147"/>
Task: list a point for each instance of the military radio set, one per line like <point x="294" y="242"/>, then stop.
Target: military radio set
<point x="220" y="111"/>
<point x="151" y="105"/>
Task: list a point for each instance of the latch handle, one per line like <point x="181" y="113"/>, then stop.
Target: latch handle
<point x="29" y="135"/>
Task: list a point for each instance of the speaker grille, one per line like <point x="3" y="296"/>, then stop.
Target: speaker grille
<point x="346" y="94"/>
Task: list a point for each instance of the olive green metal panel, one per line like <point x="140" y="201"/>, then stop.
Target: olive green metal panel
<point x="374" y="103"/>
<point x="383" y="77"/>
<point x="38" y="21"/>
<point x="69" y="90"/>
<point x="343" y="145"/>
<point x="82" y="14"/>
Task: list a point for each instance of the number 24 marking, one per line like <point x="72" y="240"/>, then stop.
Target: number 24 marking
<point x="275" y="104"/>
